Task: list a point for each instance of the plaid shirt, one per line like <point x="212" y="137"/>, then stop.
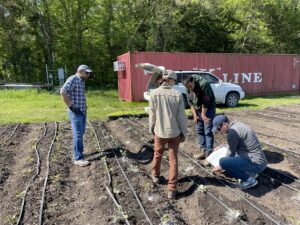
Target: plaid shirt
<point x="75" y="87"/>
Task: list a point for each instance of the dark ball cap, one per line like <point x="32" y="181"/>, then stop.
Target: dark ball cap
<point x="218" y="120"/>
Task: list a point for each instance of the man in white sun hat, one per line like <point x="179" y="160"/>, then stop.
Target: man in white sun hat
<point x="73" y="94"/>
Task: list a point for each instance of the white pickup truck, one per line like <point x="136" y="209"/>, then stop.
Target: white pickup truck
<point x="225" y="93"/>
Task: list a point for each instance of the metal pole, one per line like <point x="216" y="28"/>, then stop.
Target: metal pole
<point x="47" y="74"/>
<point x="65" y="71"/>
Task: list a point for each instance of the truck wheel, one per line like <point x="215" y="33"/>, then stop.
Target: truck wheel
<point x="232" y="99"/>
<point x="186" y="104"/>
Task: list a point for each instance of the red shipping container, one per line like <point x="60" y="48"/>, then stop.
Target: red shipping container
<point x="256" y="74"/>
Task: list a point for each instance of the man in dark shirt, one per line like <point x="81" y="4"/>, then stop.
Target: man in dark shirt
<point x="246" y="158"/>
<point x="202" y="101"/>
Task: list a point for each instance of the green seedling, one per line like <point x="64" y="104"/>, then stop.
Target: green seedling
<point x="202" y="188"/>
<point x="120" y="215"/>
<point x="147" y="185"/>
<point x="116" y="188"/>
<point x="11" y="219"/>
<point x="133" y="168"/>
<point x="30" y="159"/>
<point x="294" y="221"/>
<point x="27" y="171"/>
<point x="55" y="177"/>
<point x="20" y="194"/>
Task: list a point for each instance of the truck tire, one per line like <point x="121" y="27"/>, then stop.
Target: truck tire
<point x="232" y="99"/>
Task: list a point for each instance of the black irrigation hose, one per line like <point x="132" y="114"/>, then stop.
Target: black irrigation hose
<point x="290" y="152"/>
<point x="41" y="221"/>
<point x="10" y="136"/>
<point x="132" y="189"/>
<point x="108" y="174"/>
<point x="222" y="182"/>
<point x="33" y="177"/>
<point x="221" y="202"/>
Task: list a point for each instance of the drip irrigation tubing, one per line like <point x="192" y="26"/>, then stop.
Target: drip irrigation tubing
<point x="222" y="203"/>
<point x="111" y="195"/>
<point x="37" y="171"/>
<point x="132" y="189"/>
<point x="3" y="131"/>
<point x="222" y="182"/>
<point x="290" y="152"/>
<point x="41" y="221"/>
<point x="10" y="136"/>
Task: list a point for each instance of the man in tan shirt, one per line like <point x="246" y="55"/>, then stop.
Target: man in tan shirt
<point x="167" y="121"/>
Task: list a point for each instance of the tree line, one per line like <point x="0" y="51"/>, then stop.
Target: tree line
<point x="34" y="33"/>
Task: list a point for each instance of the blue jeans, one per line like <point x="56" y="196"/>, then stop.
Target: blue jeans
<point x="239" y="167"/>
<point x="78" y="122"/>
<point x="205" y="135"/>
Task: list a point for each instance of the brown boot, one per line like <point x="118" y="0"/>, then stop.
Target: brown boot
<point x="172" y="195"/>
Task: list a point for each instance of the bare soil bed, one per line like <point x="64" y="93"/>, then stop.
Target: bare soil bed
<point x="40" y="185"/>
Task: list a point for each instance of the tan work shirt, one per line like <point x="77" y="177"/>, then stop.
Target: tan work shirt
<point x="166" y="112"/>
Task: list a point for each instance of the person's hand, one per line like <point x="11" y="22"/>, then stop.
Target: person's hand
<point x="217" y="148"/>
<point x="196" y="119"/>
<point x="75" y="109"/>
<point x="182" y="138"/>
<point x="152" y="130"/>
<point x="204" y="118"/>
<point x="217" y="169"/>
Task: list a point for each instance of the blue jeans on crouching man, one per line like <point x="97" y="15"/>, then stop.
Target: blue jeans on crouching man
<point x="240" y="168"/>
<point x="204" y="131"/>
<point x="78" y="122"/>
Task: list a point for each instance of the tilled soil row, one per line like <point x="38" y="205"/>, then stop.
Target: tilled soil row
<point x="76" y="195"/>
<point x="34" y="195"/>
<point x="17" y="163"/>
<point x="156" y="205"/>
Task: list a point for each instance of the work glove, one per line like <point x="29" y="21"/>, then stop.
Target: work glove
<point x="75" y="109"/>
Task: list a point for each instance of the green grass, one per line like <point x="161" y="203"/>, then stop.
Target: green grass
<point x="41" y="106"/>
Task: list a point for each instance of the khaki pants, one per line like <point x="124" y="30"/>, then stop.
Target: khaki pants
<point x="159" y="148"/>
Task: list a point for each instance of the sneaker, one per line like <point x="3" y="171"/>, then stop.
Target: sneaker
<point x="172" y="195"/>
<point x="82" y="163"/>
<point x="155" y="180"/>
<point x="251" y="182"/>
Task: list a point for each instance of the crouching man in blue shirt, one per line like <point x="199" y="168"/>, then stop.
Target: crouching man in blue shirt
<point x="73" y="94"/>
<point x="246" y="158"/>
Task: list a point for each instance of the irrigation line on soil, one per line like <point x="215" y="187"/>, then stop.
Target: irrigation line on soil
<point x="296" y="154"/>
<point x="10" y="136"/>
<point x="4" y="130"/>
<point x="222" y="203"/>
<point x="108" y="174"/>
<point x="222" y="182"/>
<point x="132" y="189"/>
<point x="33" y="177"/>
<point x="46" y="176"/>
<point x="286" y="185"/>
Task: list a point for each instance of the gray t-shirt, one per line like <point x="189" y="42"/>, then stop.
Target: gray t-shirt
<point x="243" y="142"/>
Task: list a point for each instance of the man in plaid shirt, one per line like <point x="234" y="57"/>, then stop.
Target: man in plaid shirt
<point x="73" y="95"/>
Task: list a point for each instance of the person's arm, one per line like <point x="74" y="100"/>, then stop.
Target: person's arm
<point x="233" y="141"/>
<point x="181" y="119"/>
<point x="66" y="99"/>
<point x="152" y="115"/>
<point x="195" y="116"/>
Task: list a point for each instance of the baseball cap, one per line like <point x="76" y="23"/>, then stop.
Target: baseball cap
<point x="84" y="68"/>
<point x="169" y="74"/>
<point x="218" y="120"/>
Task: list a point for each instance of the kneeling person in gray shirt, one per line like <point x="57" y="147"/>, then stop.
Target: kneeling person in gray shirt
<point x="246" y="158"/>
